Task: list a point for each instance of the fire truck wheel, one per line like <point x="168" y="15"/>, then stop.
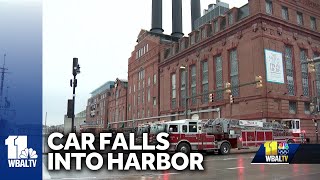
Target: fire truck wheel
<point x="184" y="148"/>
<point x="290" y="141"/>
<point x="224" y="149"/>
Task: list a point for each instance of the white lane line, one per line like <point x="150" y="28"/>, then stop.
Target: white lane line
<point x="236" y="168"/>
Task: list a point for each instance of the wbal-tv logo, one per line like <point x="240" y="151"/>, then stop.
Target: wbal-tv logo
<point x="19" y="155"/>
<point x="276" y="152"/>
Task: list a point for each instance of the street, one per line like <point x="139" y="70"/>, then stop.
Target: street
<point x="229" y="167"/>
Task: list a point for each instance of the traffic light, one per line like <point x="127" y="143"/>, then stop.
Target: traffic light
<point x="75" y="67"/>
<point x="231" y="99"/>
<point x="228" y="88"/>
<point x="210" y="97"/>
<point x="259" y="81"/>
<point x="311" y="67"/>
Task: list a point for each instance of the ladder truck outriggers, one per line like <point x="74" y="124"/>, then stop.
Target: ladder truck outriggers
<point x="221" y="135"/>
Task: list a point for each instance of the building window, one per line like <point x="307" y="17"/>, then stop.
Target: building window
<point x="304" y="73"/>
<point x="230" y="18"/>
<point x="149" y="81"/>
<point x="134" y="88"/>
<point x="193" y="37"/>
<point x="269" y="7"/>
<point x="173" y="91"/>
<point x="193" y="84"/>
<point x="149" y="95"/>
<point x="154" y="78"/>
<point x="313" y="23"/>
<point x="317" y="66"/>
<point x="142" y="101"/>
<point x="183" y="87"/>
<point x="300" y="18"/>
<point x="307" y="108"/>
<point x="138" y="98"/>
<point x="234" y="73"/>
<point x="285" y="13"/>
<point x="205" y="82"/>
<point x="134" y="100"/>
<point x="142" y="116"/>
<point x="154" y="101"/>
<point x="289" y="71"/>
<point x="292" y="107"/>
<point x="219" y="79"/>
<point x="148" y="113"/>
<point x="129" y="107"/>
<point x="216" y="27"/>
<point x="204" y="33"/>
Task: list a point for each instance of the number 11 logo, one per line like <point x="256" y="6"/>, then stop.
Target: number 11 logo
<point x="16" y="144"/>
<point x="19" y="155"/>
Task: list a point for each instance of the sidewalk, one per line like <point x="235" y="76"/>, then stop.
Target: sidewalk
<point x="244" y="151"/>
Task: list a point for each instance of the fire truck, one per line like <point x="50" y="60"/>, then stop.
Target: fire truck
<point x="221" y="135"/>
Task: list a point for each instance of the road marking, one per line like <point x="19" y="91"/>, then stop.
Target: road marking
<point x="236" y="168"/>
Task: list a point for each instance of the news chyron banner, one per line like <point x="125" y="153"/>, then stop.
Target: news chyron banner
<point x="20" y="89"/>
<point x="273" y="152"/>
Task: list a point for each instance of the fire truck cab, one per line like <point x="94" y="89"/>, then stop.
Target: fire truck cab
<point x="186" y="136"/>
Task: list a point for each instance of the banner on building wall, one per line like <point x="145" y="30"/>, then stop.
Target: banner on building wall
<point x="274" y="66"/>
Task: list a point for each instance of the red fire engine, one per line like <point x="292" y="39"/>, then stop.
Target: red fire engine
<point x="220" y="135"/>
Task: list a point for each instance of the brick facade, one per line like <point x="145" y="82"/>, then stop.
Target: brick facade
<point x="117" y="104"/>
<point x="230" y="48"/>
<point x="143" y="78"/>
<point x="247" y="37"/>
<point x="107" y="107"/>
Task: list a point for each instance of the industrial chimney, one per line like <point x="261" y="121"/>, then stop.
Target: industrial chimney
<point x="195" y="12"/>
<point x="156" y="16"/>
<point x="177" y="18"/>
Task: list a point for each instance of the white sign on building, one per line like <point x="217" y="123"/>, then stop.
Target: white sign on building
<point x="274" y="66"/>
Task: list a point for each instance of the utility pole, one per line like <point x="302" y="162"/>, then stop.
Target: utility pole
<point x="75" y="71"/>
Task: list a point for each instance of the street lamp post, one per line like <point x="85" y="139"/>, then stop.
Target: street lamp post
<point x="75" y="71"/>
<point x="186" y="95"/>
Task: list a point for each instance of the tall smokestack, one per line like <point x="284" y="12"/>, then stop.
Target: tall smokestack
<point x="156" y="16"/>
<point x="195" y="12"/>
<point x="177" y="18"/>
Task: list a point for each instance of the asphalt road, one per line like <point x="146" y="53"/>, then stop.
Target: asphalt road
<point x="230" y="167"/>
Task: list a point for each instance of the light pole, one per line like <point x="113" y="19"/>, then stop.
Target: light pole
<point x="185" y="68"/>
<point x="75" y="71"/>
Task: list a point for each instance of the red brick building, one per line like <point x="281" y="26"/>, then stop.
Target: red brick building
<point x="231" y="48"/>
<point x="97" y="107"/>
<point x="143" y="77"/>
<point x="117" y="104"/>
<point x="107" y="106"/>
<point x="263" y="38"/>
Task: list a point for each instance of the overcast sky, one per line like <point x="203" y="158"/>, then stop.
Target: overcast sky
<point x="102" y="34"/>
